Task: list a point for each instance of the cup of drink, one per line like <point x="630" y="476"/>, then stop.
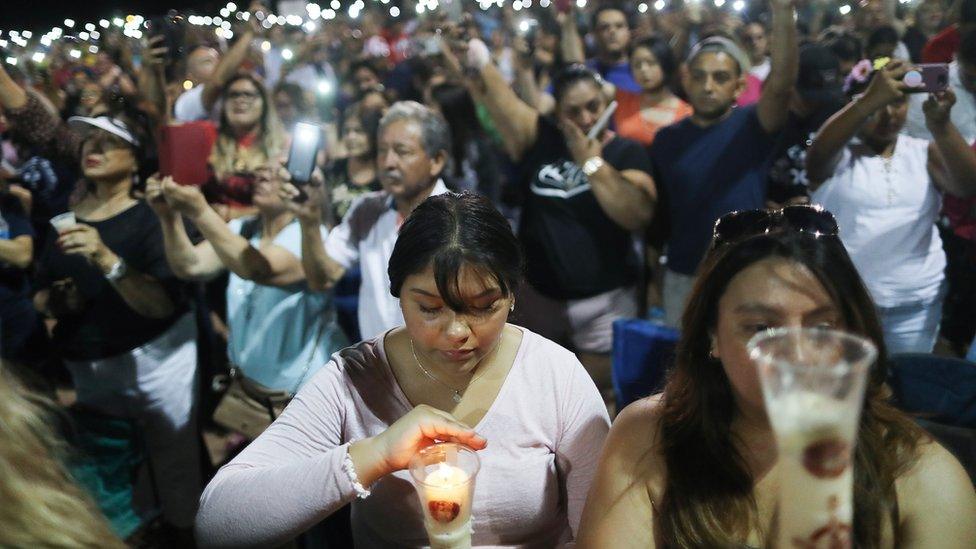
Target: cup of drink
<point x="444" y="475"/>
<point x="64" y="221"/>
<point x="813" y="383"/>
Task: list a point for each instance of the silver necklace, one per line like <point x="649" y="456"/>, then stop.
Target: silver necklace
<point x="457" y="392"/>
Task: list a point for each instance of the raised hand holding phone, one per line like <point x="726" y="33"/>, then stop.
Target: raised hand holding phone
<point x="305" y="144"/>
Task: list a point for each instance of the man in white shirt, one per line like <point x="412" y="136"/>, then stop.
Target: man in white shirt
<point x="412" y="150"/>
<point x="756" y="42"/>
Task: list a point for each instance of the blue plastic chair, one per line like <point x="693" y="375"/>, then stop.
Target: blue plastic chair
<point x="941" y="393"/>
<point x="642" y="353"/>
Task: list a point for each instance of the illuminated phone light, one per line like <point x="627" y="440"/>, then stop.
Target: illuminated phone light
<point x="92" y="49"/>
<point x="544" y="3"/>
<point x="419" y="8"/>
<point x="517" y="5"/>
<point x="231" y="6"/>
<point x="394" y="12"/>
<point x="118" y="22"/>
<point x="75" y="54"/>
<point x="27" y="34"/>
<point x="287" y="54"/>
<point x="104" y="23"/>
<point x="70" y="23"/>
<point x="218" y="21"/>
<point x="642" y="8"/>
<point x="83" y="35"/>
<point x="12" y="61"/>
<point x="310" y="26"/>
<point x="38" y="57"/>
<point x="719" y="3"/>
<point x="844" y="10"/>
<point x="324" y="87"/>
<point x="581" y="3"/>
<point x="265" y="46"/>
<point x="224" y="12"/>
<point x="46" y="40"/>
<point x="335" y="4"/>
<point x="96" y="35"/>
<point x="659" y="5"/>
<point x="738" y="5"/>
<point x="187" y="85"/>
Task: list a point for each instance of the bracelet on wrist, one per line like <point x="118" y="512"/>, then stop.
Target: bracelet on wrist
<point x="350" y="469"/>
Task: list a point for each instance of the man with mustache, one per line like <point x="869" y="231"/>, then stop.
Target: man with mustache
<point x="412" y="150"/>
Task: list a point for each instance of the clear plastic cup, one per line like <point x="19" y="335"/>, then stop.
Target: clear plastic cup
<point x="444" y="475"/>
<point x="813" y="383"/>
<point x="64" y="221"/>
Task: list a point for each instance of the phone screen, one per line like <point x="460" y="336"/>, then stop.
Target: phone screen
<point x="305" y="144"/>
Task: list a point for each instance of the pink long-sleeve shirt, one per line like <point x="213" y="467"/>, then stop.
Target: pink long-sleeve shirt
<point x="545" y="432"/>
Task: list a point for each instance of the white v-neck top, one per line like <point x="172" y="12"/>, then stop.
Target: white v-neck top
<point x="545" y="432"/>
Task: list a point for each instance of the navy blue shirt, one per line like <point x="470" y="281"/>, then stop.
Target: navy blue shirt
<point x="619" y="75"/>
<point x="704" y="173"/>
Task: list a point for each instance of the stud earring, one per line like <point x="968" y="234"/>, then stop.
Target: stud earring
<point x="512" y="307"/>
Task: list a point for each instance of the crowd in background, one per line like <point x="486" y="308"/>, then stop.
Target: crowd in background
<point x="610" y="136"/>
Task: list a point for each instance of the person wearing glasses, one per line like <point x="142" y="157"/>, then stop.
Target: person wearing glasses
<point x="249" y="136"/>
<point x="885" y="189"/>
<point x="455" y="370"/>
<point x="696" y="466"/>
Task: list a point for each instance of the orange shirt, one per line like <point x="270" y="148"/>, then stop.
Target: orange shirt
<point x="642" y="124"/>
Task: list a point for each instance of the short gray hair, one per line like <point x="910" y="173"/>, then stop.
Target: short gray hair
<point x="434" y="131"/>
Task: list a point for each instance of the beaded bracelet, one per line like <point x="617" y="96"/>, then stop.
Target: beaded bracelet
<point x="350" y="469"/>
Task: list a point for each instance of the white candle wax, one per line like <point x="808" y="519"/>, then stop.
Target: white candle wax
<point x="447" y="504"/>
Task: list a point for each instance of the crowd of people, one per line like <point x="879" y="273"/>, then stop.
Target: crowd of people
<point x="499" y="183"/>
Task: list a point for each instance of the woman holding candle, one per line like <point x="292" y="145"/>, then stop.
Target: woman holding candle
<point x="456" y="371"/>
<point x="697" y="466"/>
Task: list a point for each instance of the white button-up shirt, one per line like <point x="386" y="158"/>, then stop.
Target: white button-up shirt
<point x="366" y="236"/>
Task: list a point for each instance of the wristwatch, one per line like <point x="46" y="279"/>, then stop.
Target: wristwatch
<point x="592" y="165"/>
<point x="117" y="271"/>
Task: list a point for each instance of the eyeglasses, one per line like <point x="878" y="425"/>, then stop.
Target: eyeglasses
<point x="246" y="95"/>
<point x="809" y="219"/>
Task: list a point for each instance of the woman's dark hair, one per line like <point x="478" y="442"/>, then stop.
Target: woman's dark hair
<point x="708" y="497"/>
<point x="571" y="75"/>
<point x="369" y="119"/>
<point x="458" y="109"/>
<point x="882" y="35"/>
<point x="296" y="95"/>
<point x="454" y="230"/>
<point x="661" y="49"/>
<point x="967" y="47"/>
<point x="845" y="46"/>
<point x="137" y="122"/>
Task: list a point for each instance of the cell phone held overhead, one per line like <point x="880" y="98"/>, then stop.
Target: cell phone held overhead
<point x="306" y="141"/>
<point x="927" y="78"/>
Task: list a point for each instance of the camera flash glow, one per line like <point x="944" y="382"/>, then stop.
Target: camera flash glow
<point x="287" y="54"/>
<point x="844" y="10"/>
<point x="187" y="85"/>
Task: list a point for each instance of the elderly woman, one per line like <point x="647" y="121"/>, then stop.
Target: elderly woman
<point x="456" y="370"/>
<point x="123" y="326"/>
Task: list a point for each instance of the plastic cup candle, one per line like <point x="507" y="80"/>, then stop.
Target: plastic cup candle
<point x="445" y="475"/>
<point x="64" y="221"/>
<point x="813" y="383"/>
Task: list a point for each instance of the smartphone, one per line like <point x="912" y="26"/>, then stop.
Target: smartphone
<point x="927" y="78"/>
<point x="602" y="122"/>
<point x="172" y="28"/>
<point x="305" y="144"/>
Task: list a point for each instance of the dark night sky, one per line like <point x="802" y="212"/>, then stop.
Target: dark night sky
<point x="43" y="14"/>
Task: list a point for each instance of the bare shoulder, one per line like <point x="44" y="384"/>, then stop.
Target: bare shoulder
<point x="937" y="500"/>
<point x="634" y="439"/>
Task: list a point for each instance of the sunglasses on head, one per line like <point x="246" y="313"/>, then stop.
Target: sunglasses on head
<point x="808" y="219"/>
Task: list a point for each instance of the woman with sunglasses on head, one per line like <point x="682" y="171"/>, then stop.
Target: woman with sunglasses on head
<point x="885" y="189"/>
<point x="456" y="370"/>
<point x="696" y="466"/>
<point x="122" y="326"/>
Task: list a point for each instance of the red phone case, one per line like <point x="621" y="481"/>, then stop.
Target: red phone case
<point x="184" y="150"/>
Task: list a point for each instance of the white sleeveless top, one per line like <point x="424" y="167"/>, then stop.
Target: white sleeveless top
<point x="886" y="210"/>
